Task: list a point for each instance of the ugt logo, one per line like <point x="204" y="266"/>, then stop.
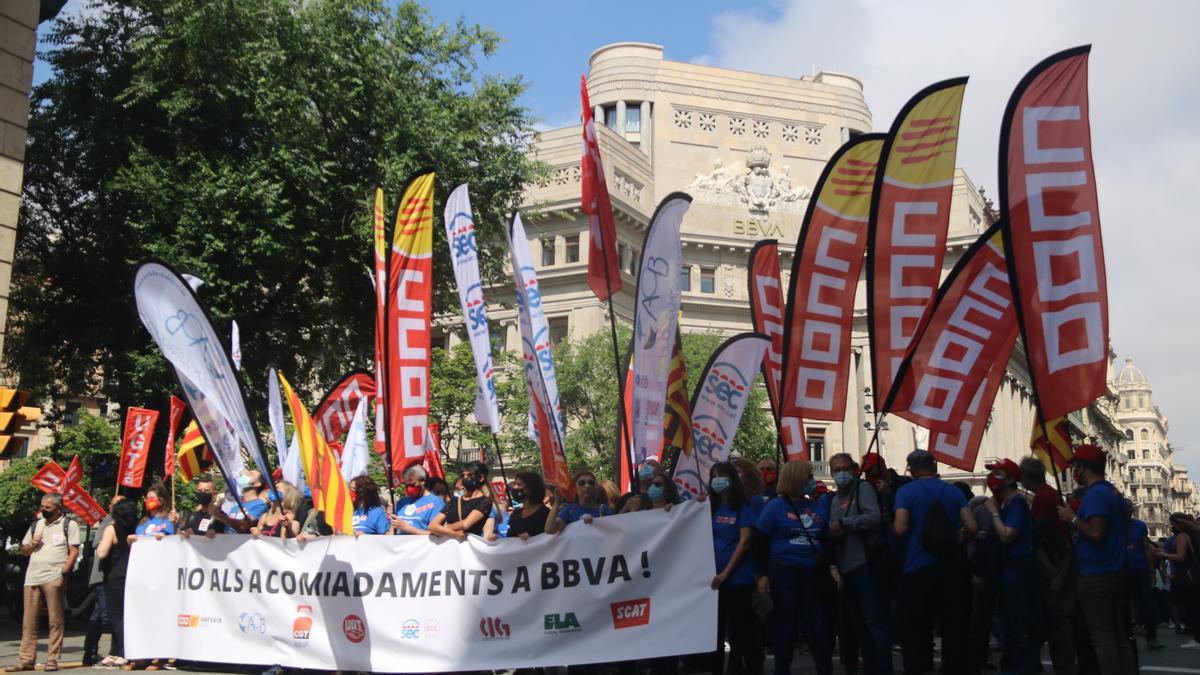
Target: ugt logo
<point x="562" y="623"/>
<point x="492" y="628"/>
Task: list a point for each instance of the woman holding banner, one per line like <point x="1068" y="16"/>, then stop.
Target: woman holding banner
<point x="528" y="490"/>
<point x="733" y="530"/>
<point x="589" y="503"/>
<point x="788" y="550"/>
<point x="280" y="520"/>
<point x="369" y="515"/>
<point x="470" y="512"/>
<point x="156" y="522"/>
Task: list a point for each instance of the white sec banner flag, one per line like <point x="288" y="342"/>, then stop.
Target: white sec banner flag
<point x="632" y="586"/>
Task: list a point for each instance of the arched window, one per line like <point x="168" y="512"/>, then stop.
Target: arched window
<point x="1145" y="435"/>
<point x="1129" y="434"/>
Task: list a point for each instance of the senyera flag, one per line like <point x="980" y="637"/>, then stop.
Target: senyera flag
<point x="604" y="274"/>
<point x="180" y="326"/>
<point x="135" y="446"/>
<point x="767" y="310"/>
<point x="545" y="415"/>
<point x="961" y="337"/>
<point x="194" y="456"/>
<point x="1057" y="453"/>
<point x="460" y="235"/>
<point x="677" y="439"/>
<point x="910" y="217"/>
<point x="409" y="303"/>
<point x="656" y="317"/>
<point x="174" y="417"/>
<point x="329" y="491"/>
<point x="1056" y="256"/>
<point x="52" y="478"/>
<point x="825" y="271"/>
<point x="717" y="406"/>
<point x="381" y="260"/>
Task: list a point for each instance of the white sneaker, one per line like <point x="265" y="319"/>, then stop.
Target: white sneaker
<point x="1190" y="644"/>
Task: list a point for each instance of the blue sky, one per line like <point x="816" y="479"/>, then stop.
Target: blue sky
<point x="1144" y="87"/>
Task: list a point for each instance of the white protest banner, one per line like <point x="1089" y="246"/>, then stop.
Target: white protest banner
<point x="717" y="407"/>
<point x="655" y="317"/>
<point x="275" y="415"/>
<point x="460" y="235"/>
<point x="632" y="586"/>
<point x="173" y="316"/>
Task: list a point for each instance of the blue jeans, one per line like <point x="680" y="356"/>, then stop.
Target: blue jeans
<point x="794" y="595"/>
<point x="868" y="620"/>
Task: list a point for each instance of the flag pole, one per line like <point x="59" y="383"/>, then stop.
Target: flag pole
<point x="499" y="457"/>
<point x="622" y="422"/>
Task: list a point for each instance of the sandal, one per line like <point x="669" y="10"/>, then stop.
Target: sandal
<point x="50" y="668"/>
<point x="18" y="668"/>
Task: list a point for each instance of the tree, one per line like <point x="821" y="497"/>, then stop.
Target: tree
<point x="243" y="141"/>
<point x="19" y="500"/>
<point x="97" y="442"/>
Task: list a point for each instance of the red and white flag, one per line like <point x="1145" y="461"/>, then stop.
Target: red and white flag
<point x="604" y="273"/>
<point x="52" y="478"/>
<point x="1052" y="234"/>
<point x="135" y="446"/>
<point x="961" y="448"/>
<point x="174" y="417"/>
<point x="767" y="314"/>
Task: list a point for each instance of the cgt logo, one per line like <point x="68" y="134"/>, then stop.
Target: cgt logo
<point x="354" y="628"/>
<point x="631" y="613"/>
<point x="493" y="628"/>
<point x="302" y="625"/>
<point x="562" y="623"/>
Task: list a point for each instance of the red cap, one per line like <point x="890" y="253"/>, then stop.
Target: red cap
<point x="1089" y="453"/>
<point x="1007" y="466"/>
<point x="871" y="460"/>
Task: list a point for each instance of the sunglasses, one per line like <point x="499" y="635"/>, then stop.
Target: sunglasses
<point x="585" y="483"/>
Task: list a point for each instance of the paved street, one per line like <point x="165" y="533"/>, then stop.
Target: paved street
<point x="1172" y="659"/>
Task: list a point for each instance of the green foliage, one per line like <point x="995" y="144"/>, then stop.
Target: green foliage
<point x="243" y="142"/>
<point x="97" y="442"/>
<point x="19" y="500"/>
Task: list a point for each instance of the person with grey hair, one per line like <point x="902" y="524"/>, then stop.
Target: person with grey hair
<point x="52" y="544"/>
<point x="417" y="509"/>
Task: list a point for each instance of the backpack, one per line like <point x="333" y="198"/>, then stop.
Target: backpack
<point x="938" y="535"/>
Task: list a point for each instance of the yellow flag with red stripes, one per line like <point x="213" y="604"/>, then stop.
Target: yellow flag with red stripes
<point x="1056" y="454"/>
<point x="329" y="491"/>
<point x="194" y="456"/>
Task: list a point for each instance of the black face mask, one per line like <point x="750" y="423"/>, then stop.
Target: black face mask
<point x="204" y="498"/>
<point x="470" y="484"/>
<point x="49" y="515"/>
<point x="517" y="496"/>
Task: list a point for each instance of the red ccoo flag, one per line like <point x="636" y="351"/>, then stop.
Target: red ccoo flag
<point x="604" y="275"/>
<point x="173" y="418"/>
<point x="1052" y="233"/>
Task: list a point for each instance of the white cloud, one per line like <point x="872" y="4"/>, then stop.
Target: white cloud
<point x="1144" y="87"/>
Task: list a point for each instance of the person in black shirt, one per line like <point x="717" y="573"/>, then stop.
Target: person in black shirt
<point x="200" y="521"/>
<point x="529" y="520"/>
<point x="470" y="513"/>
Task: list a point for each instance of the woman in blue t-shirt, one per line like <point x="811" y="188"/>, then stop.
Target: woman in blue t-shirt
<point x="787" y="551"/>
<point x="589" y="503"/>
<point x="752" y="484"/>
<point x="156" y="522"/>
<point x="369" y="515"/>
<point x="733" y="530"/>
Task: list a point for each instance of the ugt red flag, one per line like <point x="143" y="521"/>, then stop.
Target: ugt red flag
<point x="135" y="446"/>
<point x="52" y="478"/>
<point x="176" y="414"/>
<point x="604" y="275"/>
<point x="766" y="313"/>
<point x="1056" y="257"/>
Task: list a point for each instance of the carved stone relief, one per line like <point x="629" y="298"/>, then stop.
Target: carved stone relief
<point x="752" y="185"/>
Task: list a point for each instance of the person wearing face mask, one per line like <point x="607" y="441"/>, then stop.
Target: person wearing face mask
<point x="253" y="504"/>
<point x="1099" y="530"/>
<point x="662" y="493"/>
<point x="856" y="531"/>
<point x="469" y="512"/>
<point x="589" y="503"/>
<point x="52" y="544"/>
<point x="413" y="516"/>
<point x="1013" y="525"/>
<point x="156" y="523"/>
<point x="529" y="514"/>
<point x="369" y="516"/>
<point x="636" y="500"/>
<point x="769" y="471"/>
<point x="752" y="484"/>
<point x="733" y="532"/>
<point x="200" y="521"/>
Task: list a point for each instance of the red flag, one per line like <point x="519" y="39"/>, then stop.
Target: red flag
<point x="176" y="415"/>
<point x="825" y="271"/>
<point x="335" y="412"/>
<point x="1056" y="256"/>
<point x="135" y="446"/>
<point x="433" y="454"/>
<point x="767" y="314"/>
<point x="74" y="470"/>
<point x="909" y="221"/>
<point x="409" y="303"/>
<point x="381" y="286"/>
<point x="961" y="448"/>
<point x="963" y="333"/>
<point x="604" y="274"/>
<point x="52" y="478"/>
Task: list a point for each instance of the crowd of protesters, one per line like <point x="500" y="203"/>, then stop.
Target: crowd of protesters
<point x="875" y="563"/>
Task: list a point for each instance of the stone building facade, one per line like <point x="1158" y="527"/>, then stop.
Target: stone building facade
<point x="748" y="148"/>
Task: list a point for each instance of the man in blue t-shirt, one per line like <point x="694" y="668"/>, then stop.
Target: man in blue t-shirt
<point x="1013" y="525"/>
<point x="1138" y="552"/>
<point x="932" y="588"/>
<point x="1099" y="531"/>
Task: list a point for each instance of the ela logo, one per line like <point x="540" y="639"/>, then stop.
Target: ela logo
<point x="631" y="613"/>
<point x="562" y="623"/>
<point x="493" y="628"/>
<point x="354" y="628"/>
<point x="302" y="625"/>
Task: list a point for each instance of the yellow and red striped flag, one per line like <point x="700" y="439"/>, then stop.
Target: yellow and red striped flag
<point x="677" y="421"/>
<point x="1058" y="453"/>
<point x="194" y="456"/>
<point x="329" y="491"/>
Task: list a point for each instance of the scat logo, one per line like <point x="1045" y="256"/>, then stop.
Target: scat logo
<point x="410" y="629"/>
<point x="631" y="613"/>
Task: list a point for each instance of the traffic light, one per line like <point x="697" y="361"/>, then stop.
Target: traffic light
<point x="13" y="414"/>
